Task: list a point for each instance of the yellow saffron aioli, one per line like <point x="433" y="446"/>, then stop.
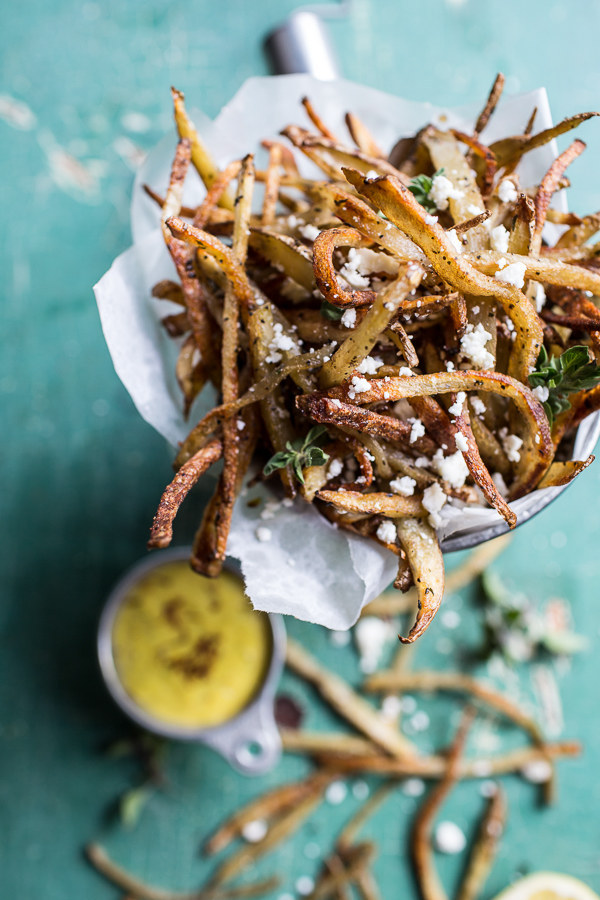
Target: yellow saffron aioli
<point x="189" y="650"/>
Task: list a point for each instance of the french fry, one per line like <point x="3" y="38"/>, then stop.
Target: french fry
<point x="419" y="542"/>
<point x="485" y="847"/>
<point x="347" y="703"/>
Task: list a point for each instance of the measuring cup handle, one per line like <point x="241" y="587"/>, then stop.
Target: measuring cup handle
<point x="251" y="743"/>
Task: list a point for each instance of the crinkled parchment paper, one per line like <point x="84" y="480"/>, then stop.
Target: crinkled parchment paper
<point x="308" y="568"/>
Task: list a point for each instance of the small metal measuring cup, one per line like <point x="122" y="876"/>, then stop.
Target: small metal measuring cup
<point x="250" y="740"/>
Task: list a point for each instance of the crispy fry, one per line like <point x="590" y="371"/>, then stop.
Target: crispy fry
<point x="485" y="847"/>
<point x="561" y="473"/>
<point x="325" y="275"/>
<point x="428" y="880"/>
<point x="271" y="185"/>
<point x="419" y="542"/>
<point x="391" y="505"/>
<point x="316" y="119"/>
<point x="200" y="156"/>
<point x="266" y="806"/>
<point x="361" y="136"/>
<point x="549" y="184"/>
<point x="347" y="703"/>
<point x="491" y="104"/>
<point x="175" y="493"/>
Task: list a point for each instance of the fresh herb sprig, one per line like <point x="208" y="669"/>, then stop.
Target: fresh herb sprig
<point x="562" y="375"/>
<point x="300" y="453"/>
<point x="331" y="312"/>
<point x="420" y="188"/>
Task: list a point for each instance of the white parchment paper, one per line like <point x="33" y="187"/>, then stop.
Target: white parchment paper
<point x="308" y="568"/>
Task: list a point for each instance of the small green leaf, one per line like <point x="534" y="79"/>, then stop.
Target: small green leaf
<point x="564" y="643"/>
<point x="420" y="188"/>
<point x="132" y="804"/>
<point x="278" y="461"/>
<point x="300" y="453"/>
<point x="331" y="312"/>
<point x="563" y="375"/>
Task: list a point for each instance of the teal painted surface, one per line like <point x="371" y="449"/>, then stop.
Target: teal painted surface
<point x="82" y="472"/>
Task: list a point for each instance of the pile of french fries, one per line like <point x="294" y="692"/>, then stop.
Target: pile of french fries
<point x="401" y="304"/>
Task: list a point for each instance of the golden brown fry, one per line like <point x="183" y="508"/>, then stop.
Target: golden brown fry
<point x="316" y="742"/>
<point x="175" y="493"/>
<point x="361" y="136"/>
<point x="548" y="185"/>
<point x="201" y="158"/>
<point x="347" y="702"/>
<point x="544" y="268"/>
<point x="266" y="806"/>
<point x="137" y="889"/>
<point x="491" y="103"/>
<point x="389" y="603"/>
<point x="210" y="542"/>
<point x="316" y="119"/>
<point x="428" y="880"/>
<point x="271" y="186"/>
<point x="485" y="847"/>
<point x="222" y="181"/>
<point x="391" y="505"/>
<point x="397" y="202"/>
<point x="509" y="151"/>
<point x="420" y="543"/>
<point x="358" y="857"/>
<point x="287" y="823"/>
<point x="325" y="274"/>
<point x="454" y="682"/>
<point x="561" y="473"/>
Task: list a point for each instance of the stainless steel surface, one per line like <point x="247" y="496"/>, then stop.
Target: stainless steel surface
<point x="250" y="740"/>
<point x="588" y="434"/>
<point x="302" y="44"/>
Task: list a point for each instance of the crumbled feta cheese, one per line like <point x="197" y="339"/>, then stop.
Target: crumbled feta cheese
<point x="305" y="885"/>
<point x="358" y="385"/>
<point x="449" y="838"/>
<point x="539" y="771"/>
<point x="499" y="239"/>
<point x="478" y="405"/>
<point x="449" y="366"/>
<point x="309" y="232"/>
<point x="335" y="468"/>
<point x="452" y="469"/>
<point x="541" y="392"/>
<point x="335" y="402"/>
<point x="292" y="221"/>
<point x="443" y="190"/>
<point x="502" y="263"/>
<point x="369" y="365"/>
<point x="387" y="532"/>
<point x="371" y="175"/>
<point x="421" y="462"/>
<point x="253" y="832"/>
<point x="433" y="500"/>
<point x="474" y="210"/>
<point x="404" y="370"/>
<point x="279" y="342"/>
<point x="454" y="240"/>
<point x="417" y="430"/>
<point x="271" y="507"/>
<point x="472" y="344"/>
<point x="372" y="635"/>
<point x="475" y="310"/>
<point x="513" y="274"/>
<point x="240" y="424"/>
<point x="336" y="793"/>
<point x="263" y="533"/>
<point x="461" y="442"/>
<point x="457" y="406"/>
<point x="413" y="787"/>
<point x="431" y="220"/>
<point x="404" y="485"/>
<point x="367" y="262"/>
<point x="348" y="319"/>
<point x="540" y="297"/>
<point x="391" y="707"/>
<point x="511" y="445"/>
<point x="507" y="191"/>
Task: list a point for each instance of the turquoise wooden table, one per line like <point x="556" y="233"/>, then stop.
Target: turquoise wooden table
<point x="85" y="90"/>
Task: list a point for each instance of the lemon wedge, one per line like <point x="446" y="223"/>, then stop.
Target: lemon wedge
<point x="547" y="886"/>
